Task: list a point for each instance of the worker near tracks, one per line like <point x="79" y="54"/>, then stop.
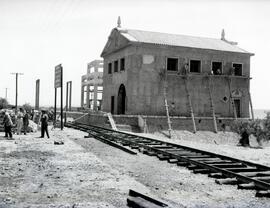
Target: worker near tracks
<point x="25" y="122"/>
<point x="244" y="141"/>
<point x="20" y="121"/>
<point x="44" y="123"/>
<point x="7" y="122"/>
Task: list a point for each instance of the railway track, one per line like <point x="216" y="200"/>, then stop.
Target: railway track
<point x="225" y="170"/>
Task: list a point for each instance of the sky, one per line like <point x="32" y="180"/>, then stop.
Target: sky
<point x="37" y="35"/>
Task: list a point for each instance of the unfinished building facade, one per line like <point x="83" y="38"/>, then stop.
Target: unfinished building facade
<point x="201" y="76"/>
<point x="92" y="86"/>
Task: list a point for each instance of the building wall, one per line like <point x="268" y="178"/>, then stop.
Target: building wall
<point x="144" y="81"/>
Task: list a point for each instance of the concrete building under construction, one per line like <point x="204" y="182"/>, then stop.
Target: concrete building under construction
<point x="201" y="77"/>
<point x="92" y="86"/>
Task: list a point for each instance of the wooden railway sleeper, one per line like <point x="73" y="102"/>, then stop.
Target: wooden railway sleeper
<point x="216" y="175"/>
<point x="256" y="174"/>
<point x="218" y="161"/>
<point x="228" y="165"/>
<point x="263" y="193"/>
<point x="263" y="178"/>
<point x="240" y="170"/>
<point x="228" y="181"/>
<point x="202" y="171"/>
<point x="248" y="186"/>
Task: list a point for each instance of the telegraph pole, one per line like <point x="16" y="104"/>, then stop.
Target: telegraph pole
<point x="6" y="93"/>
<point x="16" y="97"/>
<point x="68" y="95"/>
<point x="37" y="94"/>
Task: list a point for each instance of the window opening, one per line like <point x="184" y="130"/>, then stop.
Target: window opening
<point x="195" y="66"/>
<point x="116" y="66"/>
<point x="217" y="68"/>
<point x="122" y="64"/>
<point x="237" y="69"/>
<point x="172" y="64"/>
<point x="109" y="68"/>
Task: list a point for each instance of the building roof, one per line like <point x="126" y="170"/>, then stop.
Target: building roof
<point x="179" y="40"/>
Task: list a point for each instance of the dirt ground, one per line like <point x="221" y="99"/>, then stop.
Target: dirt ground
<point x="84" y="172"/>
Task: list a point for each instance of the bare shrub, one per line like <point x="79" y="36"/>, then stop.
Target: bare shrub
<point x="260" y="128"/>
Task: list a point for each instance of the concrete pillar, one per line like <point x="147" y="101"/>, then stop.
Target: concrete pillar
<point x="95" y="97"/>
<point x="87" y="95"/>
<point x="82" y="96"/>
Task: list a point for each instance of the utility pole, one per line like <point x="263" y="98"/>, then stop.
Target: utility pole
<point x="6" y="93"/>
<point x="16" y="97"/>
<point x="68" y="95"/>
<point x="37" y="94"/>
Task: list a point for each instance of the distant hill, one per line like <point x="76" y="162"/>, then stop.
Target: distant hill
<point x="260" y="113"/>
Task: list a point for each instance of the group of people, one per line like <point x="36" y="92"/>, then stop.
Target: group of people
<point x="21" y="121"/>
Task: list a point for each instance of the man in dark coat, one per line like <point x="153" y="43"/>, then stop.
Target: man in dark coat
<point x="244" y="141"/>
<point x="25" y="122"/>
<point x="44" y="124"/>
<point x="7" y="122"/>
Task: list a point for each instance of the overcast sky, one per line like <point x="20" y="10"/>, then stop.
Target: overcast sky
<point x="37" y="35"/>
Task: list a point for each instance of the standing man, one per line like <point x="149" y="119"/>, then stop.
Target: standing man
<point x="25" y="122"/>
<point x="7" y="122"/>
<point x="44" y="123"/>
<point x="20" y="121"/>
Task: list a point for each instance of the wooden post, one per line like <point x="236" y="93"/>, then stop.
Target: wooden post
<point x="61" y="98"/>
<point x="70" y="93"/>
<point x="190" y="104"/>
<point x="231" y="99"/>
<point x="166" y="105"/>
<point x="212" y="104"/>
<point x="251" y="106"/>
<point x="67" y="96"/>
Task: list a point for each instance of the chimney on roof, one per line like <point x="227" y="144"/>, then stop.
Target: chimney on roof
<point x="227" y="41"/>
<point x="223" y="35"/>
<point x="119" y="22"/>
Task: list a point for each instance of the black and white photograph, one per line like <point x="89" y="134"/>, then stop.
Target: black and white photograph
<point x="134" y="103"/>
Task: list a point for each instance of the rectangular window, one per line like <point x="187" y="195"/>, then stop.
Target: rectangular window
<point x="172" y="64"/>
<point x="237" y="69"/>
<point x="122" y="64"/>
<point x="195" y="66"/>
<point x="217" y="68"/>
<point x="109" y="68"/>
<point x="116" y="66"/>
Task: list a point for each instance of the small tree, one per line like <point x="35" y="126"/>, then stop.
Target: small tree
<point x="27" y="107"/>
<point x="3" y="103"/>
<point x="260" y="128"/>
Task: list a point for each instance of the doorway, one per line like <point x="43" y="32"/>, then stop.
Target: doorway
<point x="121" y="100"/>
<point x="237" y="105"/>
